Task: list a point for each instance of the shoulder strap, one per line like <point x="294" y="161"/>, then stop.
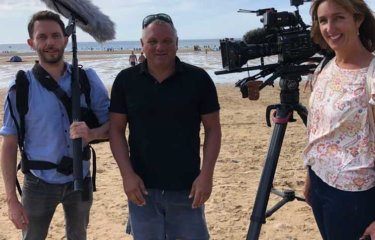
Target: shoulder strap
<point x="22" y="92"/>
<point x="46" y="80"/>
<point x="369" y="82"/>
<point x="22" y="98"/>
<point x="22" y="106"/>
<point x="50" y="84"/>
<point x="86" y="90"/>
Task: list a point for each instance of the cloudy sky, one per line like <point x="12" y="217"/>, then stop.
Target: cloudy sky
<point x="194" y="19"/>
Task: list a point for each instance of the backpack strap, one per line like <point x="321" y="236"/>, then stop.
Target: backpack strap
<point x="86" y="90"/>
<point x="85" y="85"/>
<point x="22" y="96"/>
<point x="93" y="175"/>
<point x="47" y="81"/>
<point x="50" y="84"/>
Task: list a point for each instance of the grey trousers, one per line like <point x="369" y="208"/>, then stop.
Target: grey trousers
<point x="40" y="200"/>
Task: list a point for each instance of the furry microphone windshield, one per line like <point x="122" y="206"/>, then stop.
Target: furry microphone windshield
<point x="89" y="17"/>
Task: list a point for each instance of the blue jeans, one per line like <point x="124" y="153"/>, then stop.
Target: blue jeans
<point x="167" y="215"/>
<point x="40" y="200"/>
<point x="341" y="214"/>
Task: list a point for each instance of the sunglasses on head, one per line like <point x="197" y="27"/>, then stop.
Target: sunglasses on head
<point x="160" y="16"/>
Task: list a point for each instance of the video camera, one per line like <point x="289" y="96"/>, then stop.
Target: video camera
<point x="284" y="34"/>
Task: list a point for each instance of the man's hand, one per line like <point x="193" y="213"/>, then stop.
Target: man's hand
<point x="80" y="130"/>
<point x="17" y="214"/>
<point x="134" y="189"/>
<point x="201" y="190"/>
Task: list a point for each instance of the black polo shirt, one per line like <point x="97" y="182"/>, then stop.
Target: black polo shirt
<point x="164" y="122"/>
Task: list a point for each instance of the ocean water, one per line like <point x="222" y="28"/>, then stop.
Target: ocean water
<point x="113" y="45"/>
<point x="109" y="65"/>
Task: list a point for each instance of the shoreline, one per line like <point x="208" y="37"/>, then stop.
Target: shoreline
<point x="90" y="54"/>
<point x="109" y="64"/>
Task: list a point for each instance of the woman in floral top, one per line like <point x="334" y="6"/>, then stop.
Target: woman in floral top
<point x="340" y="184"/>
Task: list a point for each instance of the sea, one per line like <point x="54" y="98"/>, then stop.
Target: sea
<point x="114" y="45"/>
<point x="109" y="65"/>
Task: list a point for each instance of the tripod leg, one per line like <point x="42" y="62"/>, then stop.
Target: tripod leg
<point x="265" y="184"/>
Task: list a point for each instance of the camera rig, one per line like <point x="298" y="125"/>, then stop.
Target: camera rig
<point x="283" y="34"/>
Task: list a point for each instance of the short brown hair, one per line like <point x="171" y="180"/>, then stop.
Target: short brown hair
<point x="44" y="15"/>
<point x="359" y="9"/>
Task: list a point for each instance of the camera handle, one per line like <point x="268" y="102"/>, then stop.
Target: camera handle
<point x="282" y="115"/>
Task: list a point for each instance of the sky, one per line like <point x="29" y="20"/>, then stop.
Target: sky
<point x="193" y="19"/>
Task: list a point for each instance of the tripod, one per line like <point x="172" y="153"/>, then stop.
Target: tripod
<point x="289" y="102"/>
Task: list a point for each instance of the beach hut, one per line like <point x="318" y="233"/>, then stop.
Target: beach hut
<point x="15" y="59"/>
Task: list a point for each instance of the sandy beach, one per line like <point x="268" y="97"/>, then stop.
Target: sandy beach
<point x="244" y="147"/>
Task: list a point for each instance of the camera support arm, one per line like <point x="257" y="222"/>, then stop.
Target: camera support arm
<point x="235" y="70"/>
<point x="288" y="70"/>
<point x="262" y="73"/>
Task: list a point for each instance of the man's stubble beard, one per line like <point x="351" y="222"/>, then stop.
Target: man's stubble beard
<point x="51" y="60"/>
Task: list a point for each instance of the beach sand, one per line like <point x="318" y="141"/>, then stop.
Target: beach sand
<point x="245" y="144"/>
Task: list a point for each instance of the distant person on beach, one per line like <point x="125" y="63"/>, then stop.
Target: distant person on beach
<point x="164" y="102"/>
<point x="340" y="153"/>
<point x="141" y="58"/>
<point x="132" y="59"/>
<point x="48" y="139"/>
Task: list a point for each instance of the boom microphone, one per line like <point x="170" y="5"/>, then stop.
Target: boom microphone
<point x="88" y="16"/>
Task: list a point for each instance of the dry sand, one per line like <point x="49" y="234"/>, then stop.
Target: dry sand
<point x="244" y="147"/>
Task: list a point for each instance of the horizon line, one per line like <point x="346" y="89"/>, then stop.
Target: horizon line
<point x="187" y="39"/>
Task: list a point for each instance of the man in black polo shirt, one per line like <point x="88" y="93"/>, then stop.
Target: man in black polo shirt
<point x="164" y="101"/>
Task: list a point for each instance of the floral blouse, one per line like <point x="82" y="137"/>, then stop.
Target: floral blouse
<point x="341" y="146"/>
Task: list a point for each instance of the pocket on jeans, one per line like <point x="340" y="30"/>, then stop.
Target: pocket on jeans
<point x="29" y="178"/>
<point x="33" y="184"/>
